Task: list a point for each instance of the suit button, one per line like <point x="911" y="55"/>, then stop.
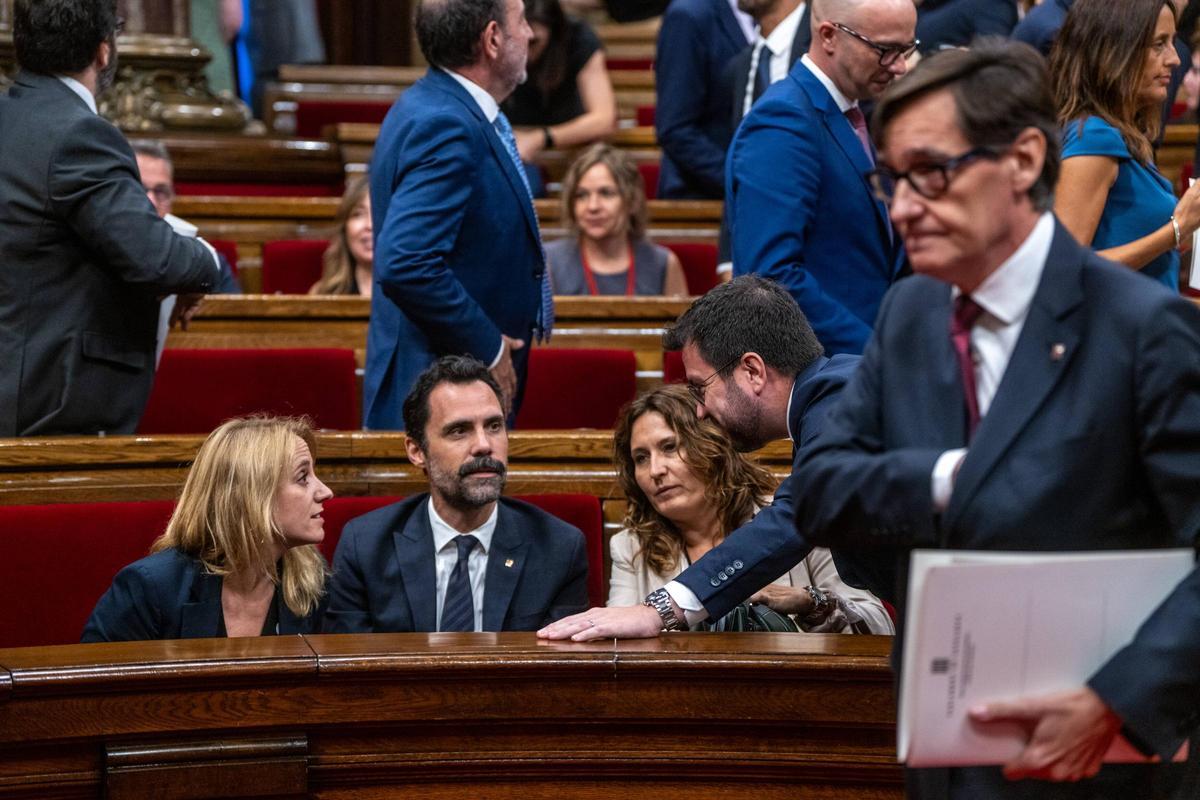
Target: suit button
<point x="723" y="576"/>
<point x="714" y="582"/>
<point x="729" y="572"/>
<point x="737" y="563"/>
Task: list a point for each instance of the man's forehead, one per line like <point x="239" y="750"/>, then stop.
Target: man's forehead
<point x="462" y="402"/>
<point x="694" y="364"/>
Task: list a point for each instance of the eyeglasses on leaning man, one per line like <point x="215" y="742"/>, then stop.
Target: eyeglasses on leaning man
<point x="888" y="53"/>
<point x="930" y="179"/>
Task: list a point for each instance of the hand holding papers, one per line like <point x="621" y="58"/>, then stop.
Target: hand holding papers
<point x="986" y="627"/>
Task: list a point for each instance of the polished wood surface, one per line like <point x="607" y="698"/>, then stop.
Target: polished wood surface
<point x="222" y="157"/>
<point x="452" y="715"/>
<point x="1178" y="148"/>
<point x="66" y="469"/>
<point x="276" y="321"/>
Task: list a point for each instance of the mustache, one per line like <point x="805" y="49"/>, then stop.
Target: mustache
<point x="482" y="464"/>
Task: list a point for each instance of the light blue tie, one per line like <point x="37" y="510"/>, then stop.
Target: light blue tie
<point x="546" y="312"/>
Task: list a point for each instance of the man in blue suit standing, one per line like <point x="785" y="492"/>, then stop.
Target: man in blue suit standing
<point x="1019" y="393"/>
<point x="800" y="210"/>
<point x="458" y="255"/>
<point x="753" y="365"/>
<point x="696" y="42"/>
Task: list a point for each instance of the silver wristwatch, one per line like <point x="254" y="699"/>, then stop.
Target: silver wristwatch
<point x="660" y="601"/>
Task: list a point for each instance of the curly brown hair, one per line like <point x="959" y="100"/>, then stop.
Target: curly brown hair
<point x="734" y="483"/>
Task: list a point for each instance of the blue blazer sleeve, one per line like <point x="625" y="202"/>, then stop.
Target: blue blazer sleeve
<point x="775" y="173"/>
<point x="423" y="222"/>
<point x="680" y="70"/>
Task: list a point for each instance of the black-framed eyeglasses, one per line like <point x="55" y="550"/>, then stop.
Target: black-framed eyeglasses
<point x="888" y="53"/>
<point x="698" y="390"/>
<point x="928" y="180"/>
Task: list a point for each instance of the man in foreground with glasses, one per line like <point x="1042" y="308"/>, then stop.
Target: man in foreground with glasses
<point x="1019" y="393"/>
<point x="754" y="365"/>
<point x="800" y="212"/>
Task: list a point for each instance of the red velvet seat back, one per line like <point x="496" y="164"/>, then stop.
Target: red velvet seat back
<point x="649" y="173"/>
<point x="196" y="390"/>
<point x="291" y="266"/>
<point x="644" y="116"/>
<point x="581" y="510"/>
<point x="59" y="559"/>
<point x="699" y="261"/>
<point x="569" y="388"/>
<point x="312" y="116"/>
<point x="673" y="371"/>
<point x="227" y="249"/>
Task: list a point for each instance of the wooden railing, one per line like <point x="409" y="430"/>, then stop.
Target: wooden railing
<point x="277" y="321"/>
<point x="452" y="716"/>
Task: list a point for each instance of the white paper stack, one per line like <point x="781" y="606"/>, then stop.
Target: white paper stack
<point x="995" y="626"/>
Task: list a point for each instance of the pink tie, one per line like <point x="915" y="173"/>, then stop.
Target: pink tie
<point x="859" y="122"/>
<point x="966" y="312"/>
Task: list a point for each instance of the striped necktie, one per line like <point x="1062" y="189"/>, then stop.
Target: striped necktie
<point x="458" y="609"/>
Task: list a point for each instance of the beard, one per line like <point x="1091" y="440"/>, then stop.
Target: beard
<point x="106" y="76"/>
<point x="466" y="494"/>
<point x="742" y="420"/>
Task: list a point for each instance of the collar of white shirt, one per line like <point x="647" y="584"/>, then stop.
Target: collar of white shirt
<point x="779" y="42"/>
<point x="487" y="104"/>
<point x="844" y="103"/>
<point x="443" y="534"/>
<point x="79" y="89"/>
<point x="1008" y="292"/>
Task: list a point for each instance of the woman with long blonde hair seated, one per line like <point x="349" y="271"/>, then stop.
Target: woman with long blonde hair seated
<point x="687" y="489"/>
<point x="239" y="556"/>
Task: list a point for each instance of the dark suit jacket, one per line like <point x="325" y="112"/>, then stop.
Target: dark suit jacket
<point x="955" y="23"/>
<point x="457" y="252"/>
<point x="767" y="546"/>
<point x="698" y="38"/>
<point x="1094" y="449"/>
<point x="802" y="213"/>
<point x="1041" y="24"/>
<point x="384" y="575"/>
<point x="83" y="259"/>
<point x="736" y="76"/>
<point x="168" y="595"/>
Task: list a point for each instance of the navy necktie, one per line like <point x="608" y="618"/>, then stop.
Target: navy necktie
<point x="762" y="75"/>
<point x="458" y="609"/>
<point x="546" y="309"/>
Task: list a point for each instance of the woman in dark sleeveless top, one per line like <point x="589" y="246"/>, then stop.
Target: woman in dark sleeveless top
<point x="604" y="206"/>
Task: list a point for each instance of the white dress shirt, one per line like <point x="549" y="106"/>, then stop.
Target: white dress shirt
<point x="446" y="552"/>
<point x="1005" y="297"/>
<point x="844" y="103"/>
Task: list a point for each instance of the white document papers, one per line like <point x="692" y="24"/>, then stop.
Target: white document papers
<point x="1194" y="269"/>
<point x="995" y="626"/>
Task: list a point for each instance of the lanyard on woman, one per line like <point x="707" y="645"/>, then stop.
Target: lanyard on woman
<point x="630" y="275"/>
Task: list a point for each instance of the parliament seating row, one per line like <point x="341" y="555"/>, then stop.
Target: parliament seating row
<point x="195" y="390"/>
<point x="292" y="266"/>
<point x="60" y="558"/>
<point x="285" y="322"/>
<point x="248" y="222"/>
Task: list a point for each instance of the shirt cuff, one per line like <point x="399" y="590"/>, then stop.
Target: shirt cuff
<point x="724" y="266"/>
<point x="943" y="477"/>
<point x="686" y="599"/>
<point x="499" y="355"/>
<point x="212" y="252"/>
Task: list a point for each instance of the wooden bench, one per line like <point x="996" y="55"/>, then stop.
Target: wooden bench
<point x="278" y="321"/>
<point x="441" y="716"/>
<point x="249" y="222"/>
<point x="1178" y="148"/>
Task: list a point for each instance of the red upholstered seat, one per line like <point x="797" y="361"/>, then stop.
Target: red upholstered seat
<point x="699" y="261"/>
<point x="312" y="116"/>
<point x="239" y="189"/>
<point x="581" y="510"/>
<point x="291" y="266"/>
<point x="227" y="249"/>
<point x="673" y="367"/>
<point x="634" y="64"/>
<point x="569" y="388"/>
<point x="649" y="173"/>
<point x="196" y="390"/>
<point x="59" y="559"/>
<point x="645" y="116"/>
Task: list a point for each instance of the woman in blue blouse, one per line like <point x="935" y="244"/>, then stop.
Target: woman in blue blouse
<point x="1111" y="65"/>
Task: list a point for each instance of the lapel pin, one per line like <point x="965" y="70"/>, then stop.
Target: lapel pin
<point x="508" y="562"/>
<point x="1057" y="351"/>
